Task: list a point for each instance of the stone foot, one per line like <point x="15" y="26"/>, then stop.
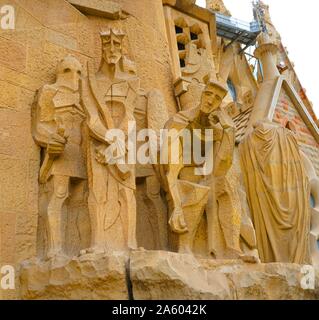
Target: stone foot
<point x="93" y="251"/>
<point x="58" y="258"/>
<point x="250" y="257"/>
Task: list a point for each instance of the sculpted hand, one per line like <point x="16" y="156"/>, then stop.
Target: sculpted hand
<point x="115" y="152"/>
<point x="111" y="154"/>
<point x="100" y="155"/>
<point x="119" y="149"/>
<point x="220" y="117"/>
<point x="56" y="144"/>
<point x="177" y="221"/>
<point x="218" y="131"/>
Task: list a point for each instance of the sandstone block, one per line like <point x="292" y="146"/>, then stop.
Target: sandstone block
<point x="89" y="277"/>
<point x="166" y="275"/>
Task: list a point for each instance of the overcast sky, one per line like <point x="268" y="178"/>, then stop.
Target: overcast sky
<point x="297" y="22"/>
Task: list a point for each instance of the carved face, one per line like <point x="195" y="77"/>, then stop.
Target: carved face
<point x="248" y="98"/>
<point x="112" y="48"/>
<point x="69" y="73"/>
<point x="211" y="100"/>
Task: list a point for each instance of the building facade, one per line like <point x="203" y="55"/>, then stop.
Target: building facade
<point x="78" y="220"/>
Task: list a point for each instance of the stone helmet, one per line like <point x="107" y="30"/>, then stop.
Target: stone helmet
<point x="69" y="72"/>
<point x="213" y="94"/>
<point x="215" y="86"/>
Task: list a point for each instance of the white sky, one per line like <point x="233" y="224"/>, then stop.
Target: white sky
<point x="297" y="23"/>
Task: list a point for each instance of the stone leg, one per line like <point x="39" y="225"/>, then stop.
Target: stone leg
<point x="159" y="222"/>
<point x="128" y="215"/>
<point x="97" y="213"/>
<point x="55" y="234"/>
<point x="229" y="218"/>
<point x="247" y="230"/>
<point x="193" y="216"/>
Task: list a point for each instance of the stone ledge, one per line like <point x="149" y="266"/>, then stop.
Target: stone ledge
<point x="160" y="275"/>
<point x="101" y="8"/>
<point x="93" y="277"/>
<point x="166" y="275"/>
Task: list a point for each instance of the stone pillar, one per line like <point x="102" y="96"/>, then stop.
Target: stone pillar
<point x="266" y="52"/>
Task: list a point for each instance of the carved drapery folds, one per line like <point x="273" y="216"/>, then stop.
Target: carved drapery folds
<point x="108" y="98"/>
<point x="278" y="193"/>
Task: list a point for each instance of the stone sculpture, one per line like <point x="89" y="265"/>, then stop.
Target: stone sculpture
<point x="58" y="128"/>
<point x="151" y="114"/>
<point x="187" y="191"/>
<point x="189" y="86"/>
<point x="221" y="210"/>
<point x="314" y="201"/>
<point x="83" y="218"/>
<point x="225" y="219"/>
<point x="278" y="193"/>
<point x="108" y="98"/>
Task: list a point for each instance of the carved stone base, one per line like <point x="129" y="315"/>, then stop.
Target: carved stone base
<point x="165" y="275"/>
<point x="90" y="277"/>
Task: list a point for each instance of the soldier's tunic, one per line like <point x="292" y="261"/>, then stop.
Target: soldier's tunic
<point x="63" y="110"/>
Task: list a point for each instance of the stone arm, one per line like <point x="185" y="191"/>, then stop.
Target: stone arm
<point x="97" y="128"/>
<point x="176" y="221"/>
<point x="44" y="127"/>
<point x="172" y="186"/>
<point x="42" y="132"/>
<point x="224" y="157"/>
<point x="224" y="137"/>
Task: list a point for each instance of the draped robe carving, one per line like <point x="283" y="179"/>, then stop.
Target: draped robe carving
<point x="277" y="190"/>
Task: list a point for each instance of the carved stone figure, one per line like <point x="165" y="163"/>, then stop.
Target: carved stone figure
<point x="313" y="194"/>
<point x="81" y="219"/>
<point x="226" y="220"/>
<point x="57" y="128"/>
<point x="188" y="191"/>
<point x="151" y="113"/>
<point x="314" y="204"/>
<point x="189" y="87"/>
<point x="264" y="13"/>
<point x="221" y="210"/>
<point x="278" y="193"/>
<point x="109" y="98"/>
<point x="248" y="240"/>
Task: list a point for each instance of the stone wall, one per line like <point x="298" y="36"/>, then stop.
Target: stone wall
<point x="286" y="111"/>
<point x="46" y="31"/>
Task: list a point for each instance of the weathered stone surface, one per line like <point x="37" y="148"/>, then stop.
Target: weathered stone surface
<point x="13" y="55"/>
<point x="164" y="52"/>
<point x="89" y="277"/>
<point x="106" y="9"/>
<point x="165" y="275"/>
<point x="159" y="275"/>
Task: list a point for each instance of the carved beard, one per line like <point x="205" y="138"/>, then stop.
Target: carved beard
<point x="112" y="59"/>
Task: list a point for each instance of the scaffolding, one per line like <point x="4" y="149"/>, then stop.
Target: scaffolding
<point x="236" y="30"/>
<point x="244" y="33"/>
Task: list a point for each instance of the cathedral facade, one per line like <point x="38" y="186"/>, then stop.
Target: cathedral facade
<point x="154" y="149"/>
